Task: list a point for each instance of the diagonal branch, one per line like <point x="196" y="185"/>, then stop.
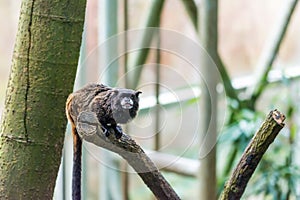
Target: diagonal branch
<point x="271" y="50"/>
<point x="229" y="89"/>
<point x="191" y="9"/>
<point x="259" y="144"/>
<point x="136" y="62"/>
<point x="90" y="130"/>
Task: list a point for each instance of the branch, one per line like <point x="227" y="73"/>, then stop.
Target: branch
<point x="192" y="11"/>
<point x="171" y="163"/>
<point x="259" y="144"/>
<point x="229" y="89"/>
<point x="271" y="50"/>
<point x="90" y="130"/>
<point x="208" y="19"/>
<point x="136" y="63"/>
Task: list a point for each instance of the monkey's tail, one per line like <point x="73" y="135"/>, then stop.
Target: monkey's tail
<point x="77" y="146"/>
<point x="76" y="176"/>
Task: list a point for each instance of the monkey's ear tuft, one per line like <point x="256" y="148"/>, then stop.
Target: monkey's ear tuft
<point x="137" y="93"/>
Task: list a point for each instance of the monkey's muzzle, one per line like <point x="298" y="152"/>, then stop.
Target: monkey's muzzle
<point x="127" y="103"/>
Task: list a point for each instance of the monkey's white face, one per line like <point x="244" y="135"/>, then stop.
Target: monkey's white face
<point x="126" y="103"/>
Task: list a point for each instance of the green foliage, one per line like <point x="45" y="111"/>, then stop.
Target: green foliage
<point x="275" y="180"/>
<point x="242" y="128"/>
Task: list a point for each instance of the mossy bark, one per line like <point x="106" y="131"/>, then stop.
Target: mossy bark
<point x="42" y="75"/>
<point x="237" y="183"/>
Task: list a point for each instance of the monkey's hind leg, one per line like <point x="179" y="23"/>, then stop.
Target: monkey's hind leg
<point x="118" y="131"/>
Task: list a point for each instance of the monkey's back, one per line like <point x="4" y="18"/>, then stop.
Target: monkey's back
<point x="84" y="99"/>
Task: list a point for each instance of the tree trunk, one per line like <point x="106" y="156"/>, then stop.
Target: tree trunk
<point x="42" y="75"/>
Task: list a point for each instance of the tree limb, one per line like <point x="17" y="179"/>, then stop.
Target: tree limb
<point x="136" y="62"/>
<point x="191" y="9"/>
<point x="271" y="50"/>
<point x="90" y="130"/>
<point x="171" y="163"/>
<point x="259" y="144"/>
<point x="229" y="89"/>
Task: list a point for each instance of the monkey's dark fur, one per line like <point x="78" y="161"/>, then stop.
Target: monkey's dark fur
<point x="113" y="106"/>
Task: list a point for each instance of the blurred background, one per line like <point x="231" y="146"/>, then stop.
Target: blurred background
<point x="170" y="114"/>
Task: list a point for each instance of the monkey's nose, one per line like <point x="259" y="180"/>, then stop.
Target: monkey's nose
<point x="126" y="103"/>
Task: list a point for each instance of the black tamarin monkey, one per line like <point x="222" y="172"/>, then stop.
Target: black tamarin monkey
<point x="113" y="106"/>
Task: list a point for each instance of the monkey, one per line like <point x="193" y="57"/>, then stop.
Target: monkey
<point x="112" y="106"/>
<point x="115" y="106"/>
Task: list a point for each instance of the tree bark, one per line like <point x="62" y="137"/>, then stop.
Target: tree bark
<point x="42" y="74"/>
<point x="268" y="131"/>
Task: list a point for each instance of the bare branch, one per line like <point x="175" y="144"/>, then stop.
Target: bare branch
<point x="135" y="64"/>
<point x="191" y="9"/>
<point x="208" y="20"/>
<point x="90" y="130"/>
<point x="271" y="50"/>
<point x="229" y="89"/>
<point x="259" y="144"/>
<point x="171" y="163"/>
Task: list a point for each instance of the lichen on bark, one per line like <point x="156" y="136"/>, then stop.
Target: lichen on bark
<point x="42" y="74"/>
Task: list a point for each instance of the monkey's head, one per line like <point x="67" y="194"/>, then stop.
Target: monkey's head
<point x="124" y="104"/>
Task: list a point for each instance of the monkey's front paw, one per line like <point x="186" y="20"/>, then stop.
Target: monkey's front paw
<point x="105" y="131"/>
<point x="118" y="132"/>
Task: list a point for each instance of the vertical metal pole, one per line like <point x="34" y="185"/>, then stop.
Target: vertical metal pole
<point x="209" y="40"/>
<point x="125" y="176"/>
<point x="109" y="178"/>
<point x="157" y="92"/>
